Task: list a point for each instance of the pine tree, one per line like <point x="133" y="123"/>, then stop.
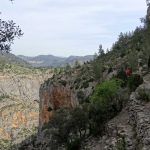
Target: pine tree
<point x="100" y="50"/>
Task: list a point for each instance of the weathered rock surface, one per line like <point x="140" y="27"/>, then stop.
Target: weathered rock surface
<point x="140" y="116"/>
<point x="54" y="97"/>
<point x="119" y="135"/>
<point x="17" y="118"/>
<point x="130" y="130"/>
<point x="63" y="91"/>
<point x="24" y="87"/>
<point x="19" y="106"/>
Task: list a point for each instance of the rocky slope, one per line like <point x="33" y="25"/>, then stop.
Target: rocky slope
<point x="130" y="130"/>
<point x="19" y="104"/>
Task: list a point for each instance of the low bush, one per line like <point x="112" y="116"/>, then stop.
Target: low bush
<point x="80" y="96"/>
<point x="84" y="78"/>
<point x="3" y="96"/>
<point x="97" y="118"/>
<point x="63" y="82"/>
<point x="106" y="103"/>
<point x="78" y="80"/>
<point x="106" y="90"/>
<point x="68" y="127"/>
<point x="121" y="144"/>
<point x="122" y="54"/>
<point x="77" y="87"/>
<point x="122" y="76"/>
<point x="91" y="80"/>
<point x="144" y="95"/>
<point x="85" y="84"/>
<point x="110" y="70"/>
<point x="134" y="81"/>
<point x="74" y="145"/>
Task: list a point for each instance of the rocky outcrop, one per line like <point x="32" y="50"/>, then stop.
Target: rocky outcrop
<point x="52" y="98"/>
<point x="19" y="106"/>
<point x="64" y="90"/>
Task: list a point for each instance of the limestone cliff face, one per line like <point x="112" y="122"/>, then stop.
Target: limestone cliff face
<point x="23" y="87"/>
<point x="19" y="105"/>
<point x="54" y="97"/>
<point x="17" y="119"/>
<point x="64" y="90"/>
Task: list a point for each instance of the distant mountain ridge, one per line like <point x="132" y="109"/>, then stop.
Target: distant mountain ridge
<point x="55" y="61"/>
<point x="9" y="58"/>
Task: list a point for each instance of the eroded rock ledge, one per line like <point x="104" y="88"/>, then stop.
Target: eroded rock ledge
<point x="54" y="97"/>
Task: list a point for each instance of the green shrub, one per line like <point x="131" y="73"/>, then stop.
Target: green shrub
<point x="97" y="68"/>
<point x="80" y="96"/>
<point x="77" y="87"/>
<point x="91" y="80"/>
<point x="110" y="70"/>
<point x="58" y="126"/>
<point x="67" y="127"/>
<point x="144" y="95"/>
<point x="121" y="144"/>
<point x="122" y="54"/>
<point x="63" y="82"/>
<point x="4" y="96"/>
<point x="84" y="78"/>
<point x="106" y="103"/>
<point x="134" y="81"/>
<point x="74" y="145"/>
<point x="5" y="144"/>
<point x="106" y="90"/>
<point x="121" y="75"/>
<point x="97" y="118"/>
<point x="79" y="120"/>
<point x="78" y="80"/>
<point x="71" y="87"/>
<point x="85" y="84"/>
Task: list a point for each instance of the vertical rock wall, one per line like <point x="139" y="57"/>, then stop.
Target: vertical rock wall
<point x="53" y="97"/>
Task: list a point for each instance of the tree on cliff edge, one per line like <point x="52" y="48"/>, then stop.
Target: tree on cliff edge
<point x="101" y="50"/>
<point x="8" y="32"/>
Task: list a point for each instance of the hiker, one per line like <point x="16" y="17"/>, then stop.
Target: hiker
<point x="128" y="72"/>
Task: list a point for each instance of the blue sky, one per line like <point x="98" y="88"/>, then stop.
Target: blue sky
<point x="70" y="27"/>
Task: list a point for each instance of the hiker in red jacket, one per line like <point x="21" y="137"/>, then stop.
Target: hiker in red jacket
<point x="128" y="72"/>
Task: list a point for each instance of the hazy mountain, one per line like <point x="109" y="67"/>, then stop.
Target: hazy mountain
<point x="8" y="58"/>
<point x="50" y="60"/>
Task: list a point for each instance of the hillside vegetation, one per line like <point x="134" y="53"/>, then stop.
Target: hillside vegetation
<point x="101" y="90"/>
<point x="10" y="63"/>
